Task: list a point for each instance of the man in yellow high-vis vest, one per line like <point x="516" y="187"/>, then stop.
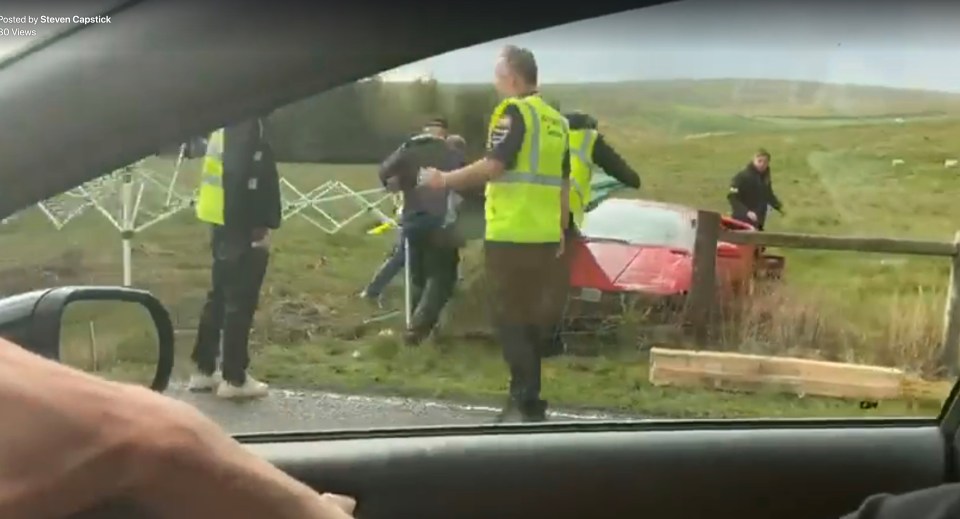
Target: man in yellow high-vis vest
<point x="526" y="171"/>
<point x="589" y="152"/>
<point x="239" y="197"/>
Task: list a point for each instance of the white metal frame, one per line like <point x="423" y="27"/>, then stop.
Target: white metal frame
<point x="130" y="184"/>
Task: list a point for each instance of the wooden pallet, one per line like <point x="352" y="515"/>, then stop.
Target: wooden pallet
<point x="754" y="373"/>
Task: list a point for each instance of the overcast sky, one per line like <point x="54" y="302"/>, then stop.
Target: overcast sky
<point x="914" y="44"/>
<point x="904" y="43"/>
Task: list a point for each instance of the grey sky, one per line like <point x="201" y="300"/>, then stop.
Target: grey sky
<point x="913" y="44"/>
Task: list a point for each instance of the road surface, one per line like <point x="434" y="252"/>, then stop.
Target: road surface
<point x="288" y="411"/>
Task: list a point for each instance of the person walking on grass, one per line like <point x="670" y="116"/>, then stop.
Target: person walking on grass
<point x="240" y="199"/>
<point x="395" y="261"/>
<point x="751" y="192"/>
<point x="432" y="262"/>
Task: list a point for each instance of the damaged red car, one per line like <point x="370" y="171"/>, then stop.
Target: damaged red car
<point x="645" y="249"/>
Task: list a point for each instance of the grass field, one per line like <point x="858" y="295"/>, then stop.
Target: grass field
<point x="832" y="157"/>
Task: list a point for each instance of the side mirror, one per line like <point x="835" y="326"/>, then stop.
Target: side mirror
<point x="728" y="250"/>
<point x="119" y="333"/>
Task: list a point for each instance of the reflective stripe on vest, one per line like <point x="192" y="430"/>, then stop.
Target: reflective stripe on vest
<point x="209" y="206"/>
<point x="523" y="204"/>
<point x="581" y="170"/>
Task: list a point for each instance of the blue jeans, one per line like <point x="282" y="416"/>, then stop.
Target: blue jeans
<point x="413" y="226"/>
<point x="388" y="270"/>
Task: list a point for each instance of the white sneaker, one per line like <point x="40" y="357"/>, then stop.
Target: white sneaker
<point x="203" y="382"/>
<point x="251" y="388"/>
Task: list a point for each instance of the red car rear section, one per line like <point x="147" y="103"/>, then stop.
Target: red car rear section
<point x="660" y="269"/>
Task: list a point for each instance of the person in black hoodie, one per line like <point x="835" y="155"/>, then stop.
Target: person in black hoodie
<point x="751" y="192"/>
<point x="433" y="259"/>
<point x="251" y="207"/>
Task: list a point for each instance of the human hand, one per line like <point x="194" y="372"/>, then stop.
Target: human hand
<point x="345" y="503"/>
<point x="233" y="482"/>
<point x="260" y="237"/>
<point x="100" y="441"/>
<point x="752" y="216"/>
<point x="432" y="178"/>
<point x="562" y="246"/>
<point x="393" y="184"/>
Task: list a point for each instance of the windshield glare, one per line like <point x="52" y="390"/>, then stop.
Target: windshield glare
<point x="638" y="224"/>
<point x="382" y="304"/>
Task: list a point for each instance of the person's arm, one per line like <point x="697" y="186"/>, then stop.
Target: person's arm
<point x="505" y="144"/>
<point x="774" y="201"/>
<point x="733" y="195"/>
<point x="401" y="170"/>
<point x="241" y="142"/>
<point x="942" y="502"/>
<point x="392" y="169"/>
<point x="613" y="164"/>
<point x="269" y="204"/>
<point x="81" y="441"/>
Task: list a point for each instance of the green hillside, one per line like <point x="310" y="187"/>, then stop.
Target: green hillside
<point x="682" y="108"/>
<point x="749" y="97"/>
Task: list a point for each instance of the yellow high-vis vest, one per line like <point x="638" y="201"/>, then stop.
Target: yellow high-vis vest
<point x="581" y="171"/>
<point x="209" y="204"/>
<point x="523" y="204"/>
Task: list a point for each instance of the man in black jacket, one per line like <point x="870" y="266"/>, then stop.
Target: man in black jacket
<point x="251" y="206"/>
<point x="751" y="192"/>
<point x="433" y="259"/>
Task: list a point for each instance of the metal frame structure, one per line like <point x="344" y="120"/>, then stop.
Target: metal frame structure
<point x="326" y="193"/>
<point x="120" y="196"/>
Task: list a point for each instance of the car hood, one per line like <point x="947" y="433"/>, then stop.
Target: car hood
<point x="622" y="267"/>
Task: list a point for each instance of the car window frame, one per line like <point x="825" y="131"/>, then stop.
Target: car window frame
<point x="950" y="410"/>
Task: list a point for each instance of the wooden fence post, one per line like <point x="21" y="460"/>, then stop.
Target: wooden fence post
<point x="703" y="286"/>
<point x="950" y="356"/>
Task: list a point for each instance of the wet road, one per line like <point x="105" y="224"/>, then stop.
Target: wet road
<point x="287" y="411"/>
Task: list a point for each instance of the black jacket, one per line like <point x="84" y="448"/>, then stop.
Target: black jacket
<point x="251" y="182"/>
<point x="421" y="151"/>
<point x="751" y="190"/>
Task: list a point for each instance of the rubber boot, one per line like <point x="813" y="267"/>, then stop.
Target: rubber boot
<point x="520" y="350"/>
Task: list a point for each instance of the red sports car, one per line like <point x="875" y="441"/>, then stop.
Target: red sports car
<point x="646" y="248"/>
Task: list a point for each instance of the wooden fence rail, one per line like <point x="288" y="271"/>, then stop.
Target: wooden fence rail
<point x="702" y="296"/>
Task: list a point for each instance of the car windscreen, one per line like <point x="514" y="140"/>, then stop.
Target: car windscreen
<point x="638" y="224"/>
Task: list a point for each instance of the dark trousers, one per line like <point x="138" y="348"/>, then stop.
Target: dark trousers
<point x="236" y="277"/>
<point x="433" y="276"/>
<point x="558" y="294"/>
<point x="520" y="277"/>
